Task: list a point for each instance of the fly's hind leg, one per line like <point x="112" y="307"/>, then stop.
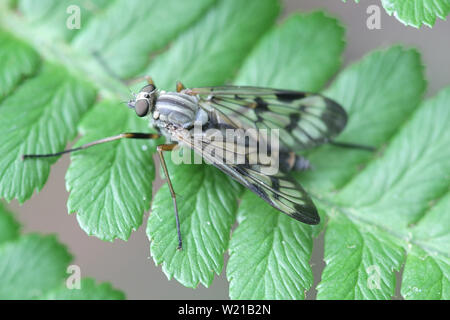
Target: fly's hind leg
<point x="161" y="149"/>
<point x="301" y="164"/>
<point x="289" y="161"/>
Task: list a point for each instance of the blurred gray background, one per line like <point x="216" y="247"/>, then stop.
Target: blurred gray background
<point x="127" y="265"/>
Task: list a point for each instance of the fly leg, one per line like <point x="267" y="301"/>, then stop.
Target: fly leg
<point x="289" y="161"/>
<point x="180" y="87"/>
<point x="161" y="149"/>
<point x="127" y="135"/>
<point x="352" y="146"/>
<point x="301" y="164"/>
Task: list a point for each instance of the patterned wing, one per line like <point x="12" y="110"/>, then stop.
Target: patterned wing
<point x="275" y="187"/>
<point x="305" y="120"/>
<point x="281" y="192"/>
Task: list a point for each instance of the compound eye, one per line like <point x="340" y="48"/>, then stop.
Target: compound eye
<point x="141" y="107"/>
<point x="148" y="88"/>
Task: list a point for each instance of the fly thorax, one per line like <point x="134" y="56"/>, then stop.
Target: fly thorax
<point x="178" y="109"/>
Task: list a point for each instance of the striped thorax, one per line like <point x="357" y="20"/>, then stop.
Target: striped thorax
<point x="169" y="110"/>
<point x="178" y="109"/>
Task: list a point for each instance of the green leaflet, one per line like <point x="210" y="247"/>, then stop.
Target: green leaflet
<point x="413" y="170"/>
<point x="17" y="60"/>
<point x="110" y="185"/>
<point x="304" y="53"/>
<point x="426" y="276"/>
<point x="31" y="265"/>
<point x="270" y="252"/>
<point x="431" y="231"/>
<point x="212" y="50"/>
<point x="395" y="196"/>
<point x="34" y="266"/>
<point x="89" y="291"/>
<point x="147" y="27"/>
<point x="360" y="262"/>
<point x="52" y="17"/>
<point x="40" y="116"/>
<point x="379" y="93"/>
<point x="9" y="228"/>
<point x="416" y="12"/>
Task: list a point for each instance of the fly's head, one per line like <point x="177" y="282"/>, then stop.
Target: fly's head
<point x="145" y="100"/>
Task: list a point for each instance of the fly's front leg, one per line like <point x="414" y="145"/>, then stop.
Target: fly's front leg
<point x="180" y="87"/>
<point x="161" y="149"/>
<point x="126" y="135"/>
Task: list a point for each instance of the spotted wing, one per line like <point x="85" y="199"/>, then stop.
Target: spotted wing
<point x="280" y="191"/>
<point x="275" y="187"/>
<point x="304" y="119"/>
